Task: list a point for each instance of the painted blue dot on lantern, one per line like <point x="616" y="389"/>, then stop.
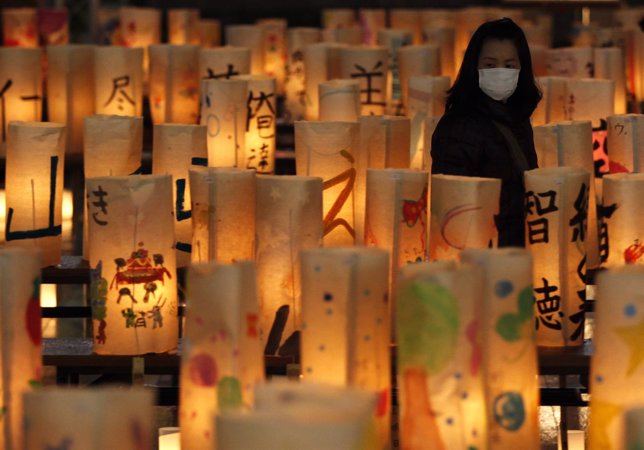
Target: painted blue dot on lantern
<point x="509" y="410"/>
<point x="503" y="288"/>
<point x="599" y="378"/>
<point x="328" y="297"/>
<point x="630" y="310"/>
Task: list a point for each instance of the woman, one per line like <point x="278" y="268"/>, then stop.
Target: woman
<point x="486" y="129"/>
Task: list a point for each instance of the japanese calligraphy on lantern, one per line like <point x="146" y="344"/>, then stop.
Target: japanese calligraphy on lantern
<point x="369" y="66"/>
<point x="625" y="137"/>
<point x="294" y="84"/>
<point x="118" y="72"/>
<point x="223" y="62"/>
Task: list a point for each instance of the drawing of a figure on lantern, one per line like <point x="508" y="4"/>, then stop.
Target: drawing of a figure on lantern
<point x="369" y="76"/>
<point x="24" y="98"/>
<point x="119" y="93"/>
<point x="413" y="212"/>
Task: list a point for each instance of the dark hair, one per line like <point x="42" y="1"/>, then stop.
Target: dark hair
<point x="465" y="89"/>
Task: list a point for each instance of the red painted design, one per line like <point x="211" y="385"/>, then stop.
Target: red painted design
<point x="383" y="403"/>
<point x="477" y="354"/>
<point x="251" y="324"/>
<point x="203" y="370"/>
<point x="634" y="252"/>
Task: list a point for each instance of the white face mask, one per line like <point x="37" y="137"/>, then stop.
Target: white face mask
<point x="498" y="83"/>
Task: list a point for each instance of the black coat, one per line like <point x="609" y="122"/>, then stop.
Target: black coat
<point x="468" y="143"/>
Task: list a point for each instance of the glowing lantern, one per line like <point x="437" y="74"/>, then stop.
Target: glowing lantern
<point x="20" y="27"/>
<point x="338" y="18"/>
<point x="321" y="63"/>
<point x="349" y="36"/>
<point x="113" y="145"/>
<point x="609" y="65"/>
<point x="572" y="62"/>
<point x="210" y="33"/>
<point x="252" y="37"/>
<point x="275" y="50"/>
<point x="443" y="38"/>
<point x="118" y="73"/>
<point x="408" y="19"/>
<point x="416" y="60"/>
<point x="297" y="40"/>
<point x="224" y="62"/>
<point x="140" y="28"/>
<point x="222" y="357"/>
<point x="393" y="40"/>
<point x="53" y="26"/>
<point x="339" y="100"/>
<point x="371" y="20"/>
<point x="625" y="134"/>
<point x="183" y="26"/>
<point x="369" y="66"/>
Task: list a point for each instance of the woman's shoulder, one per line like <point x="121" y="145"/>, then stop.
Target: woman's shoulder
<point x="459" y="124"/>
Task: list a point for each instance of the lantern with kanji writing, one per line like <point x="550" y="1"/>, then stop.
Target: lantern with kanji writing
<point x="34" y="187"/>
<point x="133" y="291"/>
<point x="118" y="73"/>
<point x="223" y="112"/>
<point x="321" y="63"/>
<point x="20" y="27"/>
<point x="328" y="150"/>
<point x="297" y="39"/>
<point x="556" y="218"/>
<point x="100" y="419"/>
<point x="183" y="26"/>
<point x="440" y="378"/>
<point x="625" y="138"/>
<point x="289" y="219"/>
<point x="462" y="214"/>
<point x="175" y="150"/>
<point x="209" y="33"/>
<point x="70" y="89"/>
<point x="174" y="83"/>
<point x="369" y="66"/>
<point x="224" y="62"/>
<point x="345" y="322"/>
<point x="21" y="340"/>
<point x="223" y="227"/>
<point x="617" y="360"/>
<point x="252" y="37"/>
<point x="339" y="100"/>
<point x="508" y="347"/>
<point x="222" y="356"/>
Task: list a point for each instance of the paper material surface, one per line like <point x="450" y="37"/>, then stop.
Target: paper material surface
<point x="297" y="39"/>
<point x="118" y="73"/>
<point x="416" y="60"/>
<point x="339" y="100"/>
<point x="20" y="27"/>
<point x="625" y="139"/>
<point x="224" y="62"/>
<point x="183" y="26"/>
<point x="369" y="66"/>
<point x="321" y="63"/>
<point x="252" y="37"/>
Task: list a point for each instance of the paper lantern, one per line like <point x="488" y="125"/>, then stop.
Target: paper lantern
<point x="224" y="62"/>
<point x="261" y="118"/>
<point x="289" y="219"/>
<point x="169" y="438"/>
<point x="174" y="83"/>
<point x="119" y="81"/>
<point x="21" y="340"/>
<point x="556" y="218"/>
<point x="21" y="91"/>
<point x="223" y="112"/>
<point x="252" y="37"/>
<point x="34" y="187"/>
<point x="140" y="28"/>
<point x="369" y="66"/>
<point x="633" y="437"/>
<point x="424" y="162"/>
<point x="407" y="18"/>
<point x="131" y="248"/>
<point x="345" y="323"/>
<point x="609" y="65"/>
<point x="321" y="61"/>
<point x="53" y="26"/>
<point x="462" y="214"/>
<point x="338" y="18"/>
<point x="70" y="89"/>
<point x="509" y="353"/>
<point x="20" y="27"/>
<point x="339" y="100"/>
<point x="394" y="39"/>
<point x="625" y="134"/>
<point x="100" y="419"/>
<point x="443" y="38"/>
<point x="113" y="145"/>
<point x="328" y="150"/>
<point x="349" y="36"/>
<point x="436" y="17"/>
<point x="438" y="323"/>
<point x="616" y="359"/>
<point x="371" y="20"/>
<point x="301" y="415"/>
<point x="210" y="33"/>
<point x="297" y="40"/>
<point x="275" y="50"/>
<point x="183" y="26"/>
<point x="222" y="357"/>
<point x="223" y="227"/>
<point x="621" y="228"/>
<point x="573" y="62"/>
<point x="175" y="150"/>
<point x="416" y="60"/>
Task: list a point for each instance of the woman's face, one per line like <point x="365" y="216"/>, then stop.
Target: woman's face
<point x="497" y="53"/>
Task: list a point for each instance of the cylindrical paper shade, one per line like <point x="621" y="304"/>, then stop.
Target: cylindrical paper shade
<point x="118" y="73"/>
<point x="210" y="33"/>
<point x="113" y="145"/>
<point x="573" y="62"/>
<point x="34" y="187"/>
<point x="100" y="419"/>
<point x="393" y="40"/>
<point x="609" y="65"/>
<point x="369" y="66"/>
<point x="589" y="99"/>
<point x="275" y="50"/>
<point x="21" y="97"/>
<point x="339" y="100"/>
<point x="131" y="247"/>
<point x="223" y="111"/>
<point x="70" y="89"/>
<point x="462" y="214"/>
<point x="508" y="347"/>
<point x="625" y="139"/>
<point x="371" y="20"/>
<point x="20" y="27"/>
<point x="261" y="117"/>
<point x="441" y="395"/>
<point x="424" y="161"/>
<point x="320" y="62"/>
<point x="443" y="37"/>
<point x="633" y="436"/>
<point x="53" y="26"/>
<point x="21" y="340"/>
<point x="624" y="237"/>
<point x="289" y="219"/>
<point x="223" y="227"/>
<point x="408" y="19"/>
<point x="338" y="18"/>
<point x="140" y="28"/>
<point x="552" y="106"/>
<point x="183" y="26"/>
<point x="556" y="218"/>
<point x="252" y="37"/>
<point x="619" y="315"/>
<point x="436" y="16"/>
<point x="176" y="149"/>
<point x="349" y="36"/>
<point x="415" y="60"/>
<point x="224" y="62"/>
<point x="174" y="83"/>
<point x="222" y="358"/>
<point x="297" y="40"/>
<point x="345" y="322"/>
<point x="328" y="150"/>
